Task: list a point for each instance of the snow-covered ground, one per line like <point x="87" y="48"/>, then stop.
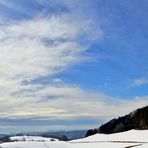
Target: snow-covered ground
<point x="132" y="135"/>
<point x="133" y="138"/>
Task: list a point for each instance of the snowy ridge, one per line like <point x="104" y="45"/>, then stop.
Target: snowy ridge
<point x="133" y="138"/>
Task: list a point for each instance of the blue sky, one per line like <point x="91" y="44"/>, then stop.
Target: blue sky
<point x="67" y="64"/>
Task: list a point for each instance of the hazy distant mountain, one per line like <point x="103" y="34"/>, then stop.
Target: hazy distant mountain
<point x="61" y="134"/>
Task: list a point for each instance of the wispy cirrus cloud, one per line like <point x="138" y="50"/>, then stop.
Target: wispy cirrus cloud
<point x="139" y="82"/>
<point x="36" y="48"/>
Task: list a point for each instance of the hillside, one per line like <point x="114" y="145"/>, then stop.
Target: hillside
<point x="134" y="120"/>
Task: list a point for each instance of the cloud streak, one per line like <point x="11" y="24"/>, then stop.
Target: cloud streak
<point x="139" y="82"/>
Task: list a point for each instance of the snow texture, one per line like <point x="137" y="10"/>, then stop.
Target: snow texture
<point x="133" y="138"/>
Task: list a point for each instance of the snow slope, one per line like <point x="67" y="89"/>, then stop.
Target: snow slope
<point x="133" y="138"/>
<point x="132" y="135"/>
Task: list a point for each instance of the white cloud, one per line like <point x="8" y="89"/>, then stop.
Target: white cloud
<point x="139" y="82"/>
<point x="42" y="46"/>
<point x="69" y="103"/>
<point x="31" y="49"/>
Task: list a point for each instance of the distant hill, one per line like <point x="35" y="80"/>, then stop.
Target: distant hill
<point x="63" y="134"/>
<point x="60" y="135"/>
<point x="134" y="120"/>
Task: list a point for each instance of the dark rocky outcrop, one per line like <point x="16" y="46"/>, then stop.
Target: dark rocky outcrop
<point x="134" y="120"/>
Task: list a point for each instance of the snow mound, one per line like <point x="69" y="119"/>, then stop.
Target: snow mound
<point x="32" y="138"/>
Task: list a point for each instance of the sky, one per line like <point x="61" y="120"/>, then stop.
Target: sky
<point x="71" y="64"/>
